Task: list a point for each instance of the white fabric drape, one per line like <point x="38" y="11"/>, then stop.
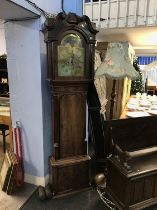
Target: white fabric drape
<point x="100" y="84"/>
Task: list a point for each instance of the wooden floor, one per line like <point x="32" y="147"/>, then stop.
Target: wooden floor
<point x="86" y="200"/>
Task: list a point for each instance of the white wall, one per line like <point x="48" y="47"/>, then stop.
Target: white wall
<point x="47" y="5"/>
<point x="29" y="90"/>
<point x="46" y="106"/>
<point x="24" y="69"/>
<point x="54" y="6"/>
<point x="2" y="39"/>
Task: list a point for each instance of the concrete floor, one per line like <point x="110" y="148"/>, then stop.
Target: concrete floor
<point x="87" y="200"/>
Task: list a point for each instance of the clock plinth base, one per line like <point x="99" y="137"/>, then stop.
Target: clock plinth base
<point x="69" y="175"/>
<point x="70" y="41"/>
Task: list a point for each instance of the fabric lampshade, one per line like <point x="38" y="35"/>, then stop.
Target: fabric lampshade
<point x="117" y="64"/>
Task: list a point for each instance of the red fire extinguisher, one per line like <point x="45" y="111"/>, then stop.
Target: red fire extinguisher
<point x="19" y="156"/>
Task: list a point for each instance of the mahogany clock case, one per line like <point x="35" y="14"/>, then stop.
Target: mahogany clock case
<point x="56" y="31"/>
<point x="70" y="43"/>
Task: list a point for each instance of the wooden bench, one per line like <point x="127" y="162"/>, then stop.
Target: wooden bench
<point x="132" y="137"/>
<point x="132" y="164"/>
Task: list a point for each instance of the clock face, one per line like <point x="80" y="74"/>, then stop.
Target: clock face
<point x="71" y="55"/>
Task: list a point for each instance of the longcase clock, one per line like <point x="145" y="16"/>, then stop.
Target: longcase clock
<point x="70" y="49"/>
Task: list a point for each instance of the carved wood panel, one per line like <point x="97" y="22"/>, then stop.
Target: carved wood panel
<point x="72" y="125"/>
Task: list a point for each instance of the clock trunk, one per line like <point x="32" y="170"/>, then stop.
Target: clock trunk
<point x="70" y="47"/>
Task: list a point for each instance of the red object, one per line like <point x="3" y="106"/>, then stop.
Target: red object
<point x="19" y="157"/>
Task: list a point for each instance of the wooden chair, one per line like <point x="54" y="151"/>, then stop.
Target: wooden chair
<point x="3" y="129"/>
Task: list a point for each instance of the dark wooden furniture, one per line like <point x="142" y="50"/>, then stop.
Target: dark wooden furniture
<point x="132" y="165"/>
<point x="151" y="90"/>
<point x="99" y="128"/>
<point x="4" y="87"/>
<point x="4" y="129"/>
<point x="70" y="43"/>
<point x="96" y="135"/>
<point x="136" y="189"/>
